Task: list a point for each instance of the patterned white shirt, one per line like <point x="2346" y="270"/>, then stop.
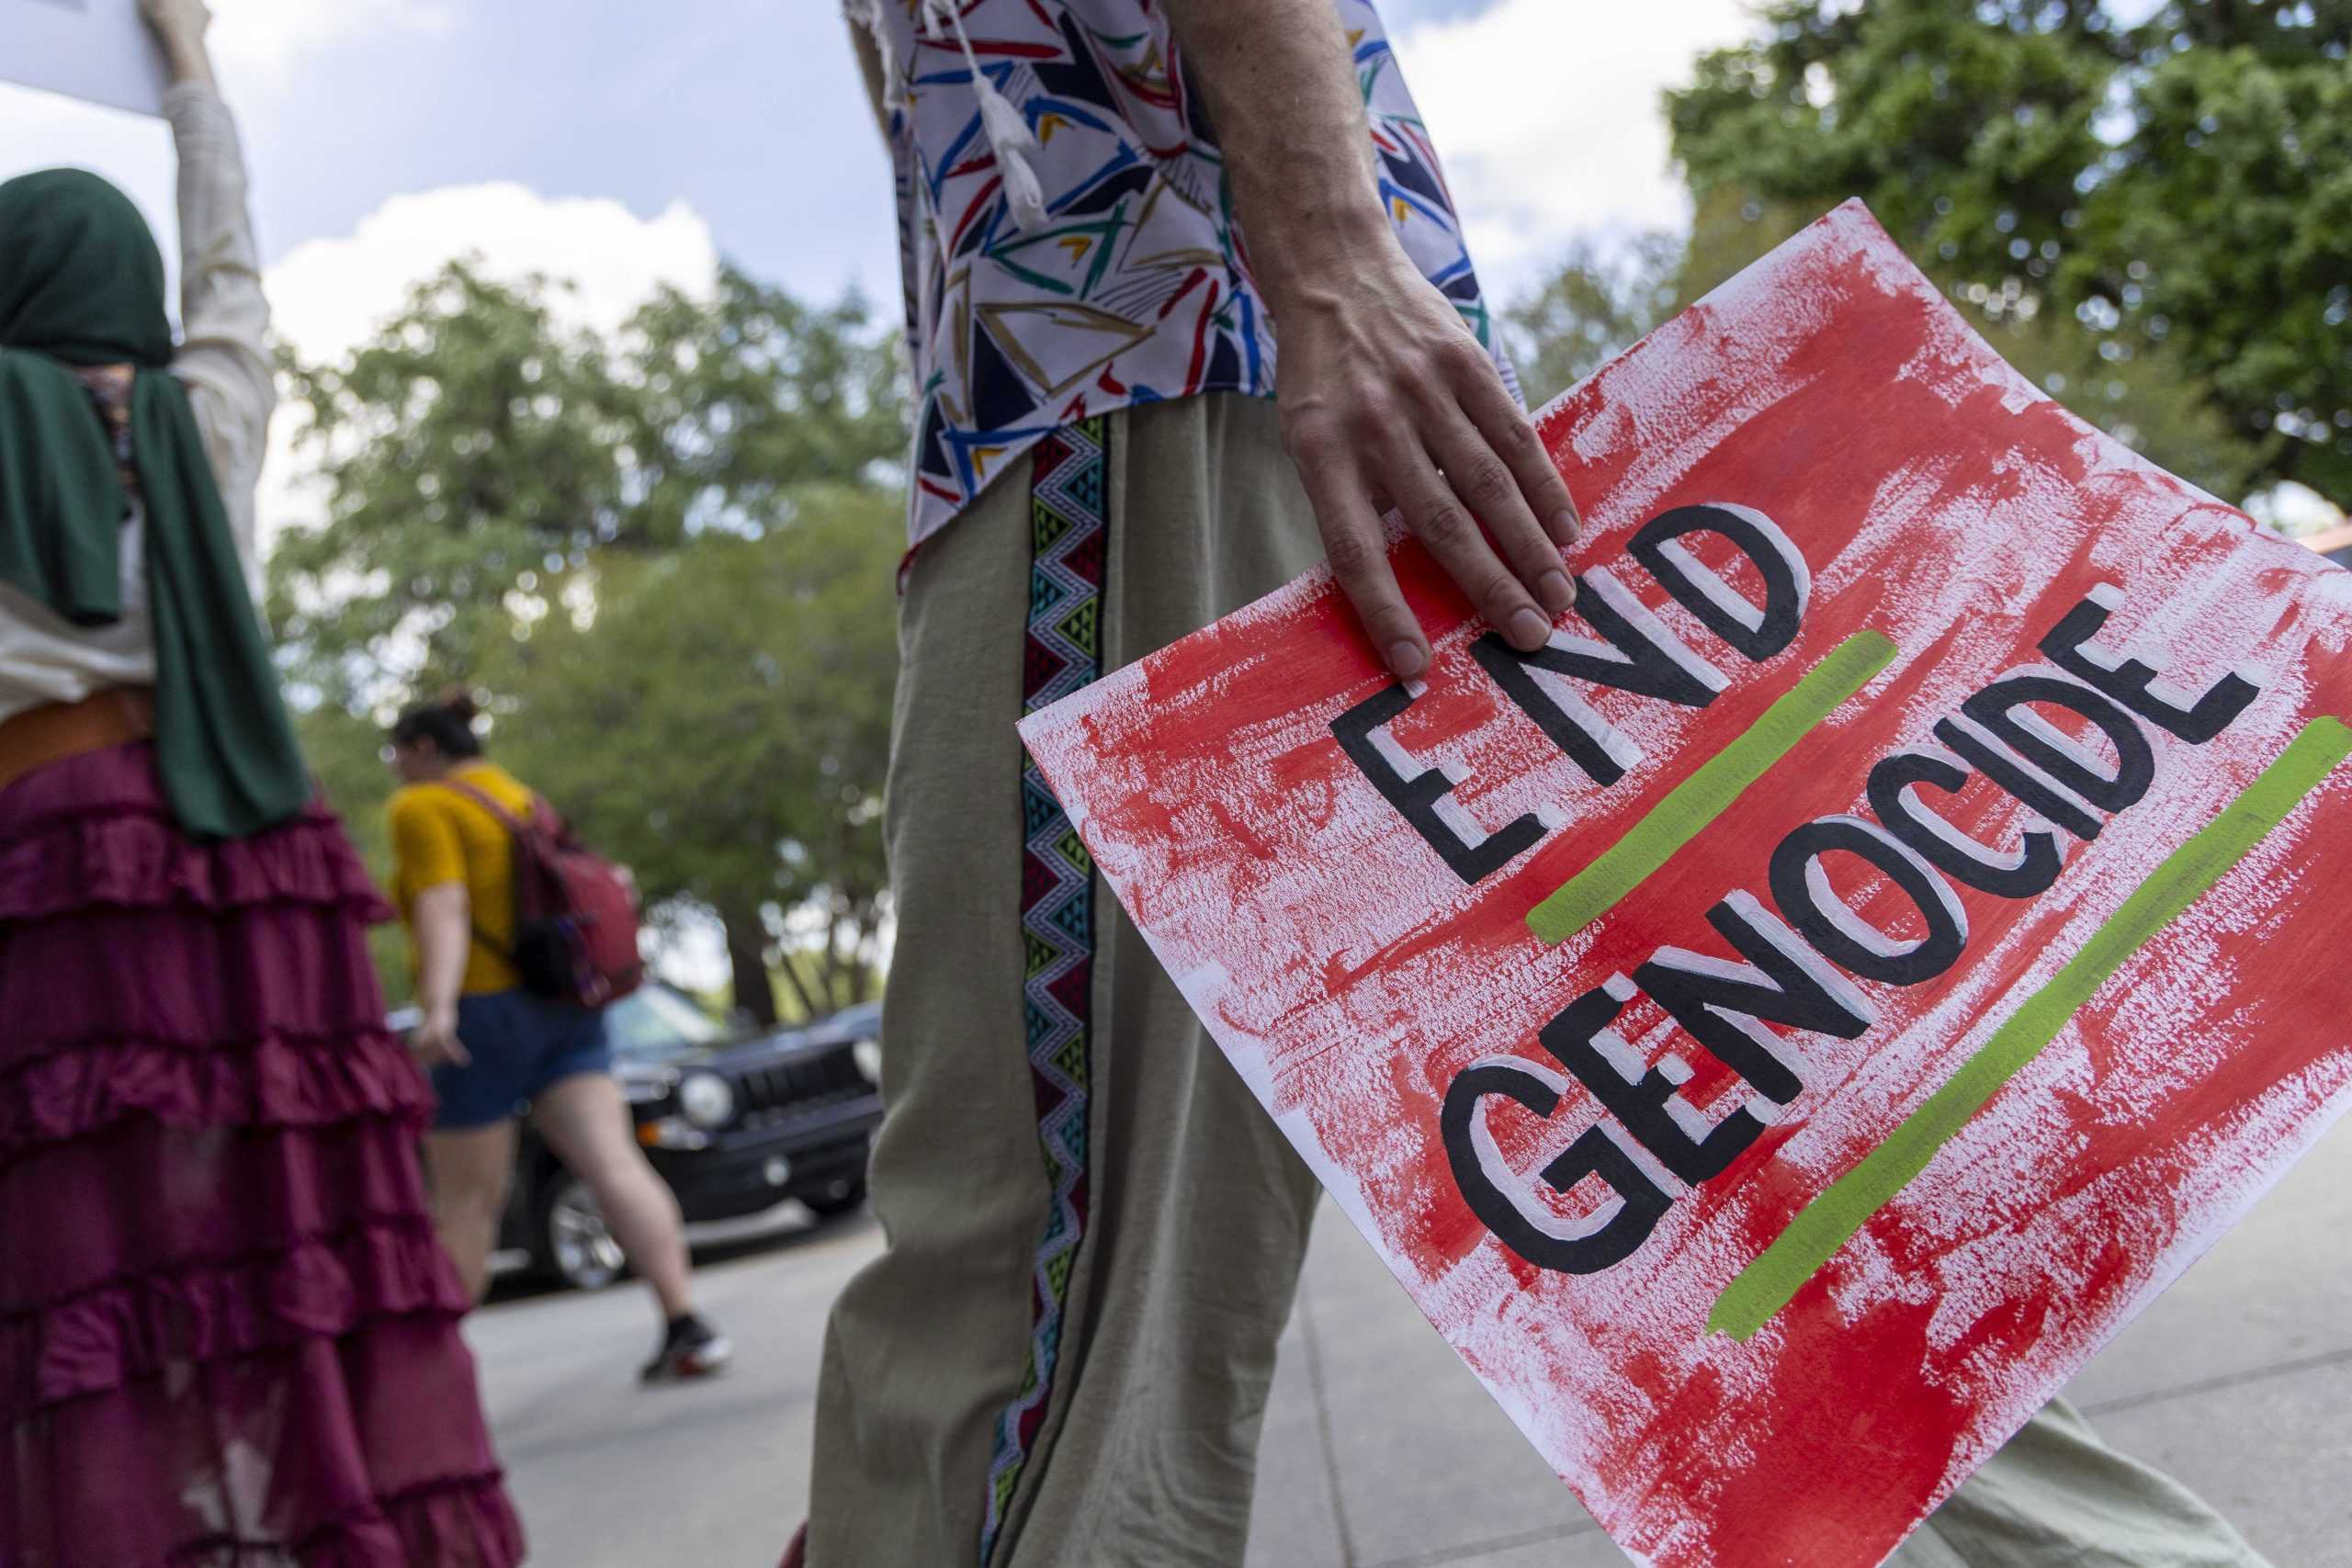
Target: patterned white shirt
<point x="1085" y="257"/>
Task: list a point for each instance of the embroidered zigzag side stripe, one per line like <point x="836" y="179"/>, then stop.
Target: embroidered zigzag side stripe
<point x="1070" y="538"/>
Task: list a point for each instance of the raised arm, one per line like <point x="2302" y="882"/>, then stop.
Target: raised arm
<point x="1386" y="397"/>
<point x="224" y="354"/>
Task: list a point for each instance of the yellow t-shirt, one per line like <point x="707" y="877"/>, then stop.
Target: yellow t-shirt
<point x="441" y="836"/>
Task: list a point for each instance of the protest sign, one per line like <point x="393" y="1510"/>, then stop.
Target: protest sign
<point x="1778" y="1032"/>
<point x="96" y="49"/>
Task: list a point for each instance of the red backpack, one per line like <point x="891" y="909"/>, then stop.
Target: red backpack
<point x="575" y="912"/>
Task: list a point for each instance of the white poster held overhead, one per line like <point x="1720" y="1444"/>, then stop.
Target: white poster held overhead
<point x="95" y="50"/>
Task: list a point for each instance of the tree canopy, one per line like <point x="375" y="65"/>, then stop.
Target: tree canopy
<point x="667" y="559"/>
<point x="2177" y="191"/>
<point x="476" y="450"/>
<point x="721" y="721"/>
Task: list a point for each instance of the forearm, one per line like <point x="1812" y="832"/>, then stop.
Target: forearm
<point x="1290" y="121"/>
<point x="443" y="920"/>
<point x="218" y="251"/>
<point x="181" y="37"/>
<point x="221" y="307"/>
<point x="223" y="357"/>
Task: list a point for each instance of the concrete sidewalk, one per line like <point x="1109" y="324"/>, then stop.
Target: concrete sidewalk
<point x="1381" y="1451"/>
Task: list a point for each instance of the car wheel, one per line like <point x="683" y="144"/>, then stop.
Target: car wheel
<point x="837" y="1197"/>
<point x="575" y="1242"/>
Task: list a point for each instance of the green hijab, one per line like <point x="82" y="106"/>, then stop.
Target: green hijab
<point x="82" y="284"/>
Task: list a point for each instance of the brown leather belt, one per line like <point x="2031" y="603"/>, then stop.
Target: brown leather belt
<point x="54" y="731"/>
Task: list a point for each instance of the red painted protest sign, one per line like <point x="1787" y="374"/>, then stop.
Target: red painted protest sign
<point x="1779" y="1030"/>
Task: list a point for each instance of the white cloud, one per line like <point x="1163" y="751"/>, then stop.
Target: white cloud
<point x="328" y="296"/>
<point x="1549" y="120"/>
<point x="262" y="40"/>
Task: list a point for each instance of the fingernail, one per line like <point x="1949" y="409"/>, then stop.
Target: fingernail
<point x="1527" y="630"/>
<point x="1405" y="658"/>
<point x="1566" y="525"/>
<point x="1556" y="592"/>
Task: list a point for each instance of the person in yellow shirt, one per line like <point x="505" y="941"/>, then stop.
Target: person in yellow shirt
<point x="493" y="1047"/>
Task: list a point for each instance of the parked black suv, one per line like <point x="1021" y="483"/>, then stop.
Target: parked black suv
<point x="736" y="1120"/>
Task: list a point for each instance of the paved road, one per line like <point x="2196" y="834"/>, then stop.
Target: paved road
<point x="2239" y="1381"/>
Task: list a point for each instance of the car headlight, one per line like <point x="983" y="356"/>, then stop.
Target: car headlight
<point x="672" y="1133"/>
<point x="867" y="1053"/>
<point x="706" y="1099"/>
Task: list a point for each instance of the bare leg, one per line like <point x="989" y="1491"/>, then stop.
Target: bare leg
<point x="468" y="1170"/>
<point x="586" y="1124"/>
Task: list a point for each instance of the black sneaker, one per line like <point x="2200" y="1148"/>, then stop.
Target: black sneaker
<point x="690" y="1348"/>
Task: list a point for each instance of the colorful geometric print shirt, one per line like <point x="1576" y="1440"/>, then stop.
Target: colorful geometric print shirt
<point x="1109" y="270"/>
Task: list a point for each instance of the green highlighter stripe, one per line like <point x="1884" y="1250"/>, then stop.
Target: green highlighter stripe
<point x="1769" y="1284"/>
<point x="1710" y="790"/>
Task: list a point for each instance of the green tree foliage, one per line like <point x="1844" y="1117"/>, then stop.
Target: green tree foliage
<point x="345" y="749"/>
<point x="2176" y="192"/>
<point x="721" y="721"/>
<point x="1592" y="308"/>
<point x="749" y="396"/>
<point x="474" y="446"/>
<point x="478" y="450"/>
<point x="668" y="557"/>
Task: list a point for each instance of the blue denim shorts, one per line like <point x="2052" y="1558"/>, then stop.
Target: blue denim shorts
<point x="520" y="1044"/>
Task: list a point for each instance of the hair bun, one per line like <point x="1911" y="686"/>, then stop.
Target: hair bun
<point x="458" y="701"/>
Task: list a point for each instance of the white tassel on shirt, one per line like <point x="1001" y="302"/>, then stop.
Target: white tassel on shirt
<point x="1013" y="142"/>
<point x="1009" y="135"/>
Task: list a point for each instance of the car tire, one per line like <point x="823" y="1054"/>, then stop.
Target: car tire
<point x="575" y="1244"/>
<point x="840" y="1198"/>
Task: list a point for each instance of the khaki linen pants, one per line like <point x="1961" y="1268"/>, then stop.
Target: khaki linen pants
<point x="1195" y="1210"/>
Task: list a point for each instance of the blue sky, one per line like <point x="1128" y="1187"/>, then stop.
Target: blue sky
<point x="746" y="110"/>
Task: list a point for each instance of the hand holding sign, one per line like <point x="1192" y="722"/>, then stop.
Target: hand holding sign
<point x="1780" y="1026"/>
<point x="1390" y="399"/>
<point x="1388" y="402"/>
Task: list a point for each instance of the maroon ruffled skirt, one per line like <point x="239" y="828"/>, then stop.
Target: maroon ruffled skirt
<point x="227" y="1337"/>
